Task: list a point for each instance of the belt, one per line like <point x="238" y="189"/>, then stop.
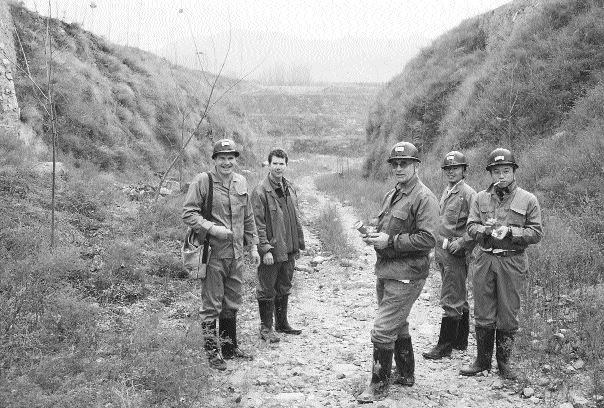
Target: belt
<point x="503" y="253"/>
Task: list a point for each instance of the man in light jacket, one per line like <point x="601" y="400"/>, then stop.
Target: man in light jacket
<point x="230" y="227"/>
<point x="275" y="204"/>
<point x="453" y="249"/>
<point x="504" y="220"/>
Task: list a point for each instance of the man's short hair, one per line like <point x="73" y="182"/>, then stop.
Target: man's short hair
<point x="277" y="153"/>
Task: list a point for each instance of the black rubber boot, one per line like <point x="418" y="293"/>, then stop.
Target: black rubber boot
<point x="485" y="339"/>
<point x="461" y="342"/>
<point x="380" y="376"/>
<point x="448" y="334"/>
<point x="211" y="346"/>
<point x="228" y="339"/>
<point x="405" y="362"/>
<point x="281" y="324"/>
<point x="503" y="351"/>
<point x="267" y="333"/>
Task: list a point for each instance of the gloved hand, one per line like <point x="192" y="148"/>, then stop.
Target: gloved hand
<point x="255" y="256"/>
<point x="379" y="240"/>
<point x="500" y="232"/>
<point x="455" y="246"/>
<point x="268" y="259"/>
<point x="220" y="232"/>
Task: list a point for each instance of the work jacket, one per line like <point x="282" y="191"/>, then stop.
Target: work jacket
<point x="231" y="208"/>
<point x="518" y="210"/>
<point x="454" y="211"/>
<point x="411" y="220"/>
<point x="270" y="221"/>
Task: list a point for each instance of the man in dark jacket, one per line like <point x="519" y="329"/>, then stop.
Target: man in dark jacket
<point x="275" y="206"/>
<point x="406" y="233"/>
<point x="453" y="249"/>
<point x="504" y="220"/>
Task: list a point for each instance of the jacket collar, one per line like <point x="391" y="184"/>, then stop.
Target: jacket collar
<point x="267" y="185"/>
<point x="511" y="187"/>
<point x="218" y="179"/>
<point x="408" y="186"/>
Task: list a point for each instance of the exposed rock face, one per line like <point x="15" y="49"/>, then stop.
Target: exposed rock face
<point x="9" y="108"/>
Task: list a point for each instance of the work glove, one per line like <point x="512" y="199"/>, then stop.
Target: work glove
<point x="268" y="259"/>
<point x="455" y="247"/>
<point x="255" y="256"/>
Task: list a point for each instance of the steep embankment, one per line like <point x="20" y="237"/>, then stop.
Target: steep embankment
<point x="9" y="108"/>
<point x="516" y="76"/>
<point x="117" y="107"/>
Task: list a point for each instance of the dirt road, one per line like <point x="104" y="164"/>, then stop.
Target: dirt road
<point x="329" y="364"/>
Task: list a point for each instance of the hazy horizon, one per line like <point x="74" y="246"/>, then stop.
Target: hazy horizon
<point x="388" y="33"/>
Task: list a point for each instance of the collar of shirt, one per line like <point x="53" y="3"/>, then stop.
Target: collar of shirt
<point x="502" y="192"/>
<point x="408" y="186"/>
<point x="226" y="182"/>
<point x="449" y="190"/>
<point x="281" y="189"/>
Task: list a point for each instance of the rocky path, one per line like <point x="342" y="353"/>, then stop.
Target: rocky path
<point x="329" y="364"/>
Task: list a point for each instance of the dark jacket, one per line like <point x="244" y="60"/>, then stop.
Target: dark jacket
<point x="270" y="221"/>
<point x="412" y="222"/>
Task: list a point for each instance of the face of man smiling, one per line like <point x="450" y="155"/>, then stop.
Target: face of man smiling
<point x="454" y="174"/>
<point x="225" y="163"/>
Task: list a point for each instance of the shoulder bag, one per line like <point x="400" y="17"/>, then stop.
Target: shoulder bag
<point x="196" y="255"/>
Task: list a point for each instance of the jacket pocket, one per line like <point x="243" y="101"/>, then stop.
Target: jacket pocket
<point x="486" y="213"/>
<point x="453" y="209"/>
<point x="516" y="216"/>
<point x="399" y="220"/>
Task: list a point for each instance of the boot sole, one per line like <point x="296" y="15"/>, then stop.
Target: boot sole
<point x="474" y="373"/>
<point x="435" y="357"/>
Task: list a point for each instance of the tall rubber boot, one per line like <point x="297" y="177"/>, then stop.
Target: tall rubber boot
<point x="380" y="376"/>
<point x="485" y="339"/>
<point x="448" y="334"/>
<point x="228" y="335"/>
<point x="266" y="308"/>
<point x="405" y="362"/>
<point x="211" y="346"/>
<point x="503" y="351"/>
<point x="461" y="342"/>
<point x="281" y="324"/>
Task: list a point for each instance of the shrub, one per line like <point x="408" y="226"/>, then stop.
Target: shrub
<point x="40" y="312"/>
<point x="365" y="195"/>
<point x="161" y="219"/>
<point x="331" y="233"/>
<point x="167" y="265"/>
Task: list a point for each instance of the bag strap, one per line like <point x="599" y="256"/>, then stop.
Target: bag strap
<point x="207" y="216"/>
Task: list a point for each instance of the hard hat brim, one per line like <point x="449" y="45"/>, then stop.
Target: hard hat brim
<point x="390" y="159"/>
<point x="502" y="163"/>
<point x="235" y="152"/>
<point x="454" y="165"/>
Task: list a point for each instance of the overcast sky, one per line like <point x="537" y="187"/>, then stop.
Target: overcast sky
<point x="153" y="24"/>
<point x="150" y="24"/>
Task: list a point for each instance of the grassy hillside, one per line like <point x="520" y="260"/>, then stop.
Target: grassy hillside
<point x="120" y="108"/>
<point x="528" y="76"/>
